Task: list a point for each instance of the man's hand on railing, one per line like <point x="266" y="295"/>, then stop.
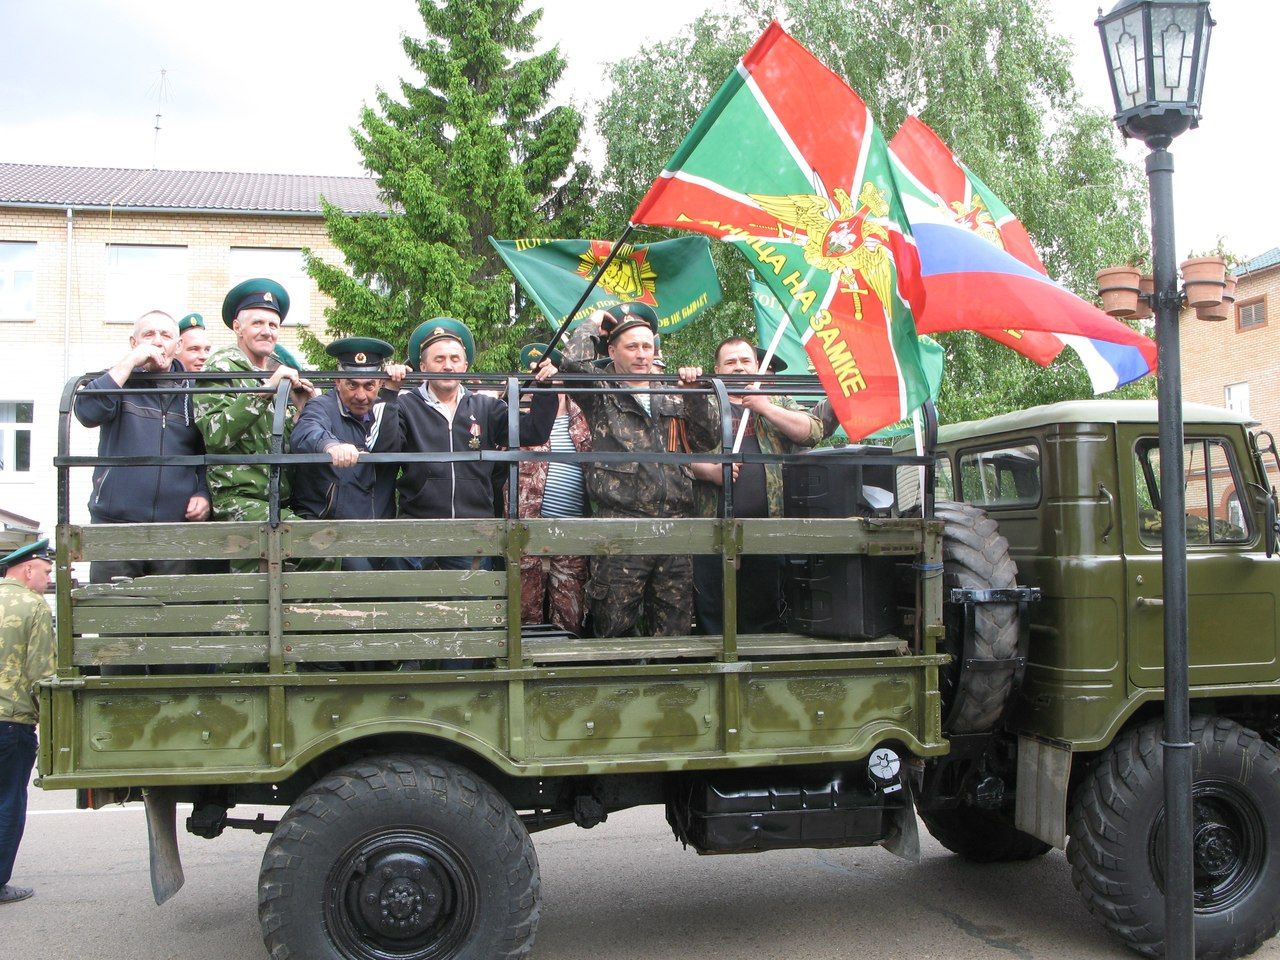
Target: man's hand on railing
<point x="343" y="454"/>
<point x="689" y="375"/>
<point x="198" y="508"/>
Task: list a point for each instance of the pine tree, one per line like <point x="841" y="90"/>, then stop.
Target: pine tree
<point x="471" y="148"/>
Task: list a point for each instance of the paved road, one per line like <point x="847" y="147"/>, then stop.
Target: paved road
<point x="623" y="891"/>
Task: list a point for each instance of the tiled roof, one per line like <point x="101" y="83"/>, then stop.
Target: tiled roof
<point x="30" y="184"/>
<point x="1260" y="262"/>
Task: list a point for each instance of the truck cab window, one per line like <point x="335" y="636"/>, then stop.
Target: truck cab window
<point x="1001" y="477"/>
<point x="1215" y="511"/>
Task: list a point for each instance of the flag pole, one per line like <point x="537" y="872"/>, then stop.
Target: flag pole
<point x="764" y="365"/>
<point x="559" y="334"/>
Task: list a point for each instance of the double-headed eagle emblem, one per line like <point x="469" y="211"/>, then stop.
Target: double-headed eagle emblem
<point x="978" y="219"/>
<point x="839" y="238"/>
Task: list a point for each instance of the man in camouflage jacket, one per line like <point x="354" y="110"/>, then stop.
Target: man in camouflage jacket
<point x="627" y="421"/>
<point x="240" y="423"/>
<point x="775" y="425"/>
<point x="26" y="658"/>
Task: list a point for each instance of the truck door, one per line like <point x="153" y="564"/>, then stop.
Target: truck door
<point x="1231" y="584"/>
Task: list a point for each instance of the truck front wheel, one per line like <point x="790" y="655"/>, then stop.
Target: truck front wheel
<point x="1116" y="850"/>
<point x="399" y="858"/>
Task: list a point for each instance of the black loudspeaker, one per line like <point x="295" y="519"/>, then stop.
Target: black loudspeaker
<point x="832" y="595"/>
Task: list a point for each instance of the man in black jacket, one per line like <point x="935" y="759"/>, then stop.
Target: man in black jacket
<point x="444" y="416"/>
<point x="147" y="421"/>
<point x="346" y="421"/>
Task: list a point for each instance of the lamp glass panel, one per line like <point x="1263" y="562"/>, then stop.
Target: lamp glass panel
<point x="1172" y="47"/>
<point x="1127" y="58"/>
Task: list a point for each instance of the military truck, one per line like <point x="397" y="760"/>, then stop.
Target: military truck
<point x="991" y="660"/>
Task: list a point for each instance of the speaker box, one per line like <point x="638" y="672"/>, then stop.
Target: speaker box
<point x="833" y="595"/>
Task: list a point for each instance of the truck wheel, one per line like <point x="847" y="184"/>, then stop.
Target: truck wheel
<point x="982" y="836"/>
<point x="399" y="858"/>
<point x="975" y="556"/>
<point x="1116" y="823"/>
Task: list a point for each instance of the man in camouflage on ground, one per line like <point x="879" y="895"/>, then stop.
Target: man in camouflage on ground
<point x="241" y="423"/>
<point x="26" y="658"/>
<point x="630" y="421"/>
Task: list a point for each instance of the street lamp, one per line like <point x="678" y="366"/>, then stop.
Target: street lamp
<point x="1156" y="52"/>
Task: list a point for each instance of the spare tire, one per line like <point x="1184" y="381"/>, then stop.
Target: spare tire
<point x="976" y="557"/>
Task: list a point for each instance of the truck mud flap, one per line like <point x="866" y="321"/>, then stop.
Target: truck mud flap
<point x="162" y="839"/>
<point x="904" y="835"/>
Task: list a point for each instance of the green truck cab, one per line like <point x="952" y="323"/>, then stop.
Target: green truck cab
<point x="985" y="668"/>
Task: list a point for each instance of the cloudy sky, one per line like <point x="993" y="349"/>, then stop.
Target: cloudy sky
<point x="275" y="86"/>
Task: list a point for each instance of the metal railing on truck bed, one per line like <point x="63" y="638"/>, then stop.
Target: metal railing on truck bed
<point x="535" y="701"/>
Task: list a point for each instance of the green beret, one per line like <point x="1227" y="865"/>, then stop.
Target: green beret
<point x="361" y="354"/>
<point x="440" y="328"/>
<point x="189" y="321"/>
<point x="286" y="357"/>
<point x="531" y="354"/>
<point x="258" y="292"/>
<point x="32" y="551"/>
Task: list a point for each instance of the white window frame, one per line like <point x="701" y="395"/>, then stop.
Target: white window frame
<point x="10" y="308"/>
<point x="1236" y="397"/>
<point x="9" y="430"/>
<point x="284" y="265"/>
<point x="135" y="286"/>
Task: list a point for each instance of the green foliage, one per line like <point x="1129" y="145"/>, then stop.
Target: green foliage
<point x="987" y="75"/>
<point x="470" y="148"/>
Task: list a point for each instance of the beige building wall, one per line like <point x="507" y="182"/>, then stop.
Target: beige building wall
<point x="69" y="334"/>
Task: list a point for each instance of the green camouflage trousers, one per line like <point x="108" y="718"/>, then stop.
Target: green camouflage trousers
<point x="254" y="510"/>
<point x="620" y="586"/>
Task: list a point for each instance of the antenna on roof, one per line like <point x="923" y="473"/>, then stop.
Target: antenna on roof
<point x="161" y="87"/>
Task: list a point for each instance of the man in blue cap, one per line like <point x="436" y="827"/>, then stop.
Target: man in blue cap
<point x="26" y="658"/>
<point x="443" y="415"/>
<point x="241" y="423"/>
<point x="346" y="421"/>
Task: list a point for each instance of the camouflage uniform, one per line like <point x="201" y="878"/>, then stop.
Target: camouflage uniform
<point x="26" y="650"/>
<point x="240" y="423"/>
<point x="551" y="588"/>
<point x="620" y="585"/>
<point x="26" y="657"/>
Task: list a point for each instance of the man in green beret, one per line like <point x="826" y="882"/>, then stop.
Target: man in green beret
<point x="632" y="419"/>
<point x="26" y="658"/>
<point x="442" y="416"/>
<point x="194" y="346"/>
<point x="241" y="423"/>
<point x="345" y="422"/>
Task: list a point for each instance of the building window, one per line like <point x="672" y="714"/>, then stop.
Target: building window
<point x="143" y="278"/>
<point x="1251" y="313"/>
<point x="17" y="281"/>
<point x="16" y="418"/>
<point x="285" y="266"/>
<point x="1237" y="398"/>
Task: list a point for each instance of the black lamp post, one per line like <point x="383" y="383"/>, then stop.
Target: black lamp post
<point x="1156" y="52"/>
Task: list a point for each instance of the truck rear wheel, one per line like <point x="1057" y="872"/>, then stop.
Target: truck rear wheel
<point x="1116" y="850"/>
<point x="982" y="836"/>
<point x="399" y="858"/>
<point x="975" y="556"/>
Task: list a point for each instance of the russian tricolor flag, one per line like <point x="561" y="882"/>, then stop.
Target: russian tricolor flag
<point x="981" y="272"/>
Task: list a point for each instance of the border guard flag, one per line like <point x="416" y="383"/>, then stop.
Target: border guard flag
<point x="786" y="163"/>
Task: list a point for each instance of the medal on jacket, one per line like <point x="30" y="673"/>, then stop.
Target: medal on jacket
<point x="474" y="442"/>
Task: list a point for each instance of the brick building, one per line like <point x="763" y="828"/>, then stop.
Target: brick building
<point x="1236" y="364"/>
<point x="85" y="250"/>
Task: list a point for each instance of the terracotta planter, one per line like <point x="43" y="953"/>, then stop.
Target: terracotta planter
<point x="1119" y="289"/>
<point x="1146" y="287"/>
<point x="1205" y="278"/>
<point x="1214" y="311"/>
<point x="1229" y="291"/>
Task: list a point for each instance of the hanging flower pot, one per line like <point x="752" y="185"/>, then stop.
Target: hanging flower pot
<point x="1214" y="311"/>
<point x="1146" y="289"/>
<point x="1229" y="291"/>
<point x="1119" y="289"/>
<point x="1205" y="278"/>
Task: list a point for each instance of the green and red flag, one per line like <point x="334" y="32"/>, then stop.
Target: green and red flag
<point x="675" y="277"/>
<point x="787" y="163"/>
